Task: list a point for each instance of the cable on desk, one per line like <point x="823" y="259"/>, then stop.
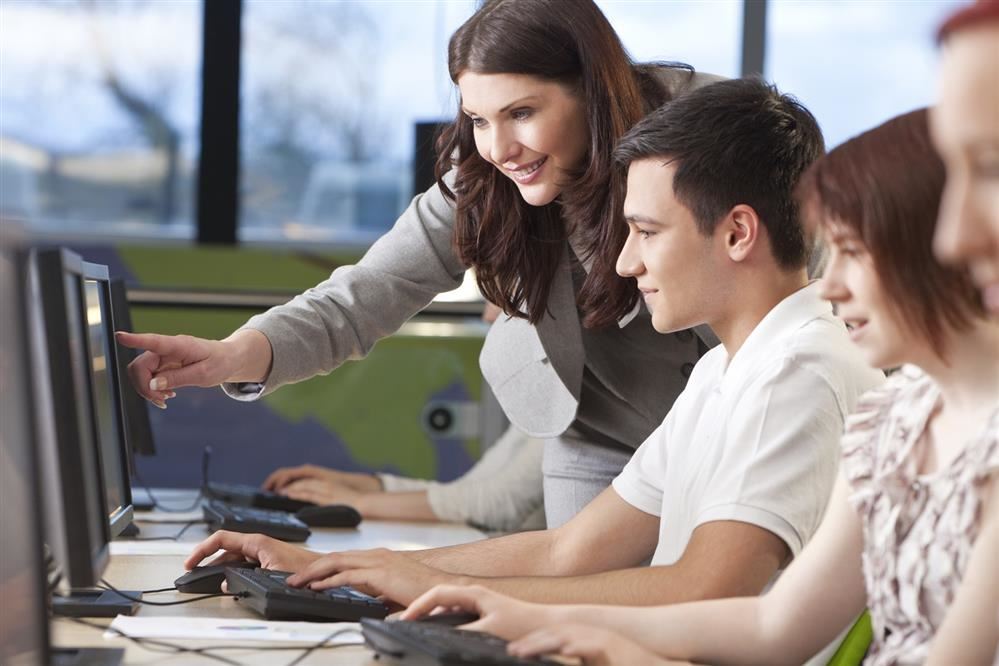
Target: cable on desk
<point x="171" y="537"/>
<point x="151" y="643"/>
<point x="159" y="505"/>
<point x="138" y="600"/>
<point x="205" y="456"/>
<point x="172" y="648"/>
<point x="172" y="588"/>
<point x="323" y="644"/>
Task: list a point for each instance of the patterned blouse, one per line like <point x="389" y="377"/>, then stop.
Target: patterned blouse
<point x="918" y="529"/>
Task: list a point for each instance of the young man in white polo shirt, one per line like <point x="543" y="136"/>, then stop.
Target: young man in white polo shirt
<point x="736" y="479"/>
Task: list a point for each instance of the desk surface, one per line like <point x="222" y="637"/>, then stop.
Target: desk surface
<point x="155" y="571"/>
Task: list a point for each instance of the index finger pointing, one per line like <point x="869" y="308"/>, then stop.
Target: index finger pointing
<point x="161" y="344"/>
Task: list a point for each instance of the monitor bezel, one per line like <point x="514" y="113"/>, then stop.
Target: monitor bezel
<point x="138" y="427"/>
<point x="100" y="274"/>
<point x="64" y="428"/>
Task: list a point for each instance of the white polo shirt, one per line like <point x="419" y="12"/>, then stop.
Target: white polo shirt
<point x="754" y="438"/>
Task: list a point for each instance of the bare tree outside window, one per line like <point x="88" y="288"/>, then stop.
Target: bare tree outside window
<point x="98" y="121"/>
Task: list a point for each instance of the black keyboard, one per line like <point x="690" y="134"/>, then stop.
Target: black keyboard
<point x="277" y="524"/>
<point x="428" y="643"/>
<point x="244" y="495"/>
<point x="269" y="595"/>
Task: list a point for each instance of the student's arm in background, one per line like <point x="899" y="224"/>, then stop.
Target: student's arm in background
<point x="498" y="493"/>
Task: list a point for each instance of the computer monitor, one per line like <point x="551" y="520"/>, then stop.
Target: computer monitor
<point x="77" y="528"/>
<point x="106" y="396"/>
<point x="70" y="433"/>
<point x="23" y="617"/>
<point x="425" y="153"/>
<point x="138" y="431"/>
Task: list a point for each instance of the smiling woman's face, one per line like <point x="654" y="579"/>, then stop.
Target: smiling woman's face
<point x="534" y="131"/>
<point x="965" y="128"/>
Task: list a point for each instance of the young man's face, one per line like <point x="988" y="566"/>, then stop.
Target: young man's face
<point x="672" y="261"/>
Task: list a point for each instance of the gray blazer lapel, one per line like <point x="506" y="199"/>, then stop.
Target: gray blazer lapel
<point x="536" y="372"/>
<point x="559" y="330"/>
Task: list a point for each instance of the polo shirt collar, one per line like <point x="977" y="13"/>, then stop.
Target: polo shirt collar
<point x="783" y="319"/>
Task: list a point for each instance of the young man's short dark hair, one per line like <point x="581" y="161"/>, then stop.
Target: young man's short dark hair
<point x="734" y="142"/>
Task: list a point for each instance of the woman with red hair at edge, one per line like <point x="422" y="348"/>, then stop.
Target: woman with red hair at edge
<point x="965" y="127"/>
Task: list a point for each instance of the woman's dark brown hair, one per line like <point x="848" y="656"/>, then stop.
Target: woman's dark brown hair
<point x="884" y="187"/>
<point x="515" y="247"/>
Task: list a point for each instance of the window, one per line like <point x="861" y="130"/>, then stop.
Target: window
<point x="705" y="35"/>
<point x="855" y="63"/>
<point x="99" y="122"/>
<point x="331" y="92"/>
<point x="330" y="95"/>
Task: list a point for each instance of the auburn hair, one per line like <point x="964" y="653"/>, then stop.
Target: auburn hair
<point x="884" y="187"/>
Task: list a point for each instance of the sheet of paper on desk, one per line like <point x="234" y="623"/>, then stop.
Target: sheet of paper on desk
<point x="212" y="628"/>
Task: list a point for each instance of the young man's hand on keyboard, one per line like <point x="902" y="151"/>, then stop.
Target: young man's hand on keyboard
<point x="594" y="646"/>
<point x="382" y="573"/>
<point x="271" y="553"/>
<point x="499" y="614"/>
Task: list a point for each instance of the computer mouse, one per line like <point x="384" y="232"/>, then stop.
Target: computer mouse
<point x="331" y="515"/>
<point x="450" y="619"/>
<point x="206" y="580"/>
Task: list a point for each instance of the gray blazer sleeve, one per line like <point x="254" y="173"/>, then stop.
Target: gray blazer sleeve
<point x="343" y="317"/>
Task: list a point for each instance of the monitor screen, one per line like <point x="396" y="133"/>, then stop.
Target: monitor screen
<point x="76" y="524"/>
<point x="108" y="415"/>
<point x="138" y="430"/>
<point x="23" y="619"/>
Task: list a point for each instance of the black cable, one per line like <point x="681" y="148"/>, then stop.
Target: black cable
<point x="150" y="643"/>
<point x="173" y="537"/>
<point x="159" y="506"/>
<point x="112" y="588"/>
<point x="323" y="645"/>
<point x="162" y="589"/>
<point x="205" y="455"/>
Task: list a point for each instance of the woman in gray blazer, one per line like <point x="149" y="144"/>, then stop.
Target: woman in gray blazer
<point x="527" y="196"/>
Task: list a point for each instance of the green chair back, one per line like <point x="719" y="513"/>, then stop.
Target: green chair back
<point x="852" y="650"/>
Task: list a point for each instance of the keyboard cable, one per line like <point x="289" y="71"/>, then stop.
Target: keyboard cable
<point x="111" y="588"/>
<point x="163" y="647"/>
<point x="206" y="455"/>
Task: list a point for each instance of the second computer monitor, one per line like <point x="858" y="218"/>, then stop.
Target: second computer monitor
<point x="106" y="396"/>
<point x="138" y="431"/>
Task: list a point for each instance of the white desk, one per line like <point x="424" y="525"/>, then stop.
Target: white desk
<point x="139" y="572"/>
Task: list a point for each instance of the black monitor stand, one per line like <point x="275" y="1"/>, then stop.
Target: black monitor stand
<point x="130" y="530"/>
<point x="86" y="656"/>
<point x="95" y="603"/>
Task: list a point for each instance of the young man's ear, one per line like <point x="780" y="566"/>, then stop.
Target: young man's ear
<point x="742" y="229"/>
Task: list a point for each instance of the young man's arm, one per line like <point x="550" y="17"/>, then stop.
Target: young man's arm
<point x="819" y="595"/>
<point x="722" y="559"/>
<point x="608" y="534"/>
<point x="579" y="563"/>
